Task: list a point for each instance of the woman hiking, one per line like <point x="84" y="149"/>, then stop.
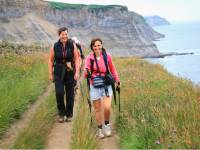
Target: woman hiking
<point x="64" y="71"/>
<point x="100" y="90"/>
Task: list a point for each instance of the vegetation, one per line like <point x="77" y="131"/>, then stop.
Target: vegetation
<point x="83" y="136"/>
<point x="34" y="136"/>
<point x="159" y="110"/>
<point x="22" y="79"/>
<point x="61" y="6"/>
<point x="7" y="47"/>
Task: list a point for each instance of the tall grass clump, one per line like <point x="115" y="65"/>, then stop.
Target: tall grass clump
<point x="83" y="136"/>
<point x="23" y="77"/>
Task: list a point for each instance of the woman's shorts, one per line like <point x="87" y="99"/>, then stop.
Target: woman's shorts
<point x="99" y="93"/>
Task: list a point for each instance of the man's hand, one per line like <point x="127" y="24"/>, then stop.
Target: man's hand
<point x="51" y="77"/>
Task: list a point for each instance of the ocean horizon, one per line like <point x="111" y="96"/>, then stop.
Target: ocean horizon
<point x="180" y="37"/>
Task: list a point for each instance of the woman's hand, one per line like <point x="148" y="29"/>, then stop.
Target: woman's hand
<point x="118" y="84"/>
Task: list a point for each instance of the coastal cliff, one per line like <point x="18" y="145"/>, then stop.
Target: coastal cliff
<point x="124" y="32"/>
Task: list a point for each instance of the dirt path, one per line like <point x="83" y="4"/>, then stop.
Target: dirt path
<point x="61" y="133"/>
<point x="12" y="133"/>
<point x="60" y="136"/>
<point x="113" y="141"/>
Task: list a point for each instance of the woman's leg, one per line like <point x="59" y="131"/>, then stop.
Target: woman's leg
<point x="107" y="111"/>
<point x="97" y="104"/>
<point x="107" y="107"/>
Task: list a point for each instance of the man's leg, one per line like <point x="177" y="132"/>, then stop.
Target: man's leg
<point x="59" y="87"/>
<point x="70" y="99"/>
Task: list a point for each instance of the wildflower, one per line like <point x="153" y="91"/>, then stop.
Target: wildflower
<point x="157" y="142"/>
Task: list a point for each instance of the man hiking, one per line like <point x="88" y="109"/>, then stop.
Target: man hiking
<point x="64" y="71"/>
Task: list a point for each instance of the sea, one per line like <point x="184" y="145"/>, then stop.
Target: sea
<point x="180" y="37"/>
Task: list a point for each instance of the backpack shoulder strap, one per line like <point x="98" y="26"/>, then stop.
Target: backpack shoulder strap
<point x="79" y="48"/>
<point x="105" y="60"/>
<point x="92" y="65"/>
<point x="54" y="47"/>
<point x="70" y="45"/>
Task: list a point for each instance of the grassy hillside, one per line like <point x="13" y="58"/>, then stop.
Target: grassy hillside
<point x="158" y="109"/>
<point x="23" y="77"/>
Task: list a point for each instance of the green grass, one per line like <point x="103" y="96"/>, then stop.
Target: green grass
<point x="7" y="47"/>
<point x="159" y="110"/>
<point x="83" y="136"/>
<point x="34" y="136"/>
<point x="62" y="6"/>
<point x="22" y="79"/>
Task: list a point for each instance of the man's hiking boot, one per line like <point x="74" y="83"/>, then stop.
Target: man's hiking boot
<point x="100" y="133"/>
<point x="68" y="119"/>
<point x="107" y="130"/>
<point x="61" y="119"/>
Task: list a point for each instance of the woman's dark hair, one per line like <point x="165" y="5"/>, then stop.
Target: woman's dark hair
<point x="93" y="42"/>
<point x="61" y="30"/>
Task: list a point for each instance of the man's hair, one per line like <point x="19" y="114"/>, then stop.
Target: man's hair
<point x="60" y="30"/>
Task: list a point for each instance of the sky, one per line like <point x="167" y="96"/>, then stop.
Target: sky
<point x="172" y="10"/>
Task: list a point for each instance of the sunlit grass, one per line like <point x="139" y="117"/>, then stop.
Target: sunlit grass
<point x="23" y="77"/>
<point x="159" y="110"/>
<point x="83" y="130"/>
<point x="35" y="135"/>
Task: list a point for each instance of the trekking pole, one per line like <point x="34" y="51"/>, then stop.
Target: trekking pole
<point x="118" y="90"/>
<point x="119" y="100"/>
<point x="114" y="93"/>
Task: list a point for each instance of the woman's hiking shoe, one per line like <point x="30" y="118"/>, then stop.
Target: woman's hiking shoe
<point x="61" y="119"/>
<point x="100" y="133"/>
<point x="107" y="130"/>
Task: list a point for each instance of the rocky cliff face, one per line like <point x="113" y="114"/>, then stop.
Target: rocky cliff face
<point x="124" y="33"/>
<point x="156" y="21"/>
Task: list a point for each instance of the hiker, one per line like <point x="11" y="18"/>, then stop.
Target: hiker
<point x="79" y="47"/>
<point x="100" y="91"/>
<point x="64" y="71"/>
<point x="81" y="56"/>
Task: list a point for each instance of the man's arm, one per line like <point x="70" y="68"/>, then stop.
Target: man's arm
<point x="76" y="61"/>
<point x="50" y="64"/>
